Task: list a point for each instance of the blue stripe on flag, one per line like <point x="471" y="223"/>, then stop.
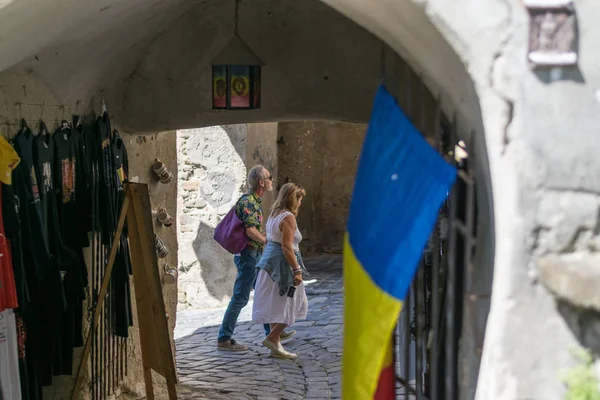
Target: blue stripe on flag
<point x="400" y="185"/>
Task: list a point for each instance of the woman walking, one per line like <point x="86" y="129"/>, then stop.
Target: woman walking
<point x="279" y="295"/>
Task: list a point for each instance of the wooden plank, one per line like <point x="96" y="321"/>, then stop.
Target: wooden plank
<point x="152" y="321"/>
<point x="101" y="298"/>
<point x="140" y="281"/>
<point x="148" y="381"/>
<point x="172" y="389"/>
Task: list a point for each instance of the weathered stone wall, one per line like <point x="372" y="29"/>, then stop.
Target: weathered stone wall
<point x="142" y="150"/>
<point x="212" y="175"/>
<point x="213" y="163"/>
<point x="262" y="149"/>
<point x="322" y="157"/>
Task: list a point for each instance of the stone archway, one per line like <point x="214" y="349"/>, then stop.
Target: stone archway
<point x="322" y="66"/>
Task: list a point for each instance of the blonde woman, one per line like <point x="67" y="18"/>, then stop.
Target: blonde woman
<point x="279" y="295"/>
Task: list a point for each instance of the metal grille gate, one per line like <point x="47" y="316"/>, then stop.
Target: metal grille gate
<point x="428" y="332"/>
<point x="109" y="352"/>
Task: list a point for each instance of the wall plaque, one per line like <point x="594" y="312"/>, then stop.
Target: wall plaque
<point x="552" y="33"/>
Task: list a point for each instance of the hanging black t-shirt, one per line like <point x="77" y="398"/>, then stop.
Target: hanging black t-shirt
<point x="12" y="229"/>
<point x="68" y="261"/>
<point x="68" y="180"/>
<point x="106" y="186"/>
<point x="80" y="132"/>
<point x="122" y="268"/>
<point x="70" y="185"/>
<point x="43" y="156"/>
<point x="26" y="188"/>
<point x="47" y="305"/>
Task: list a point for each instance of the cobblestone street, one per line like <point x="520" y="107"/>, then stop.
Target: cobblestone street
<point x="206" y="373"/>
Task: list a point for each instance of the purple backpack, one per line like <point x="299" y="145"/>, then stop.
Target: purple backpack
<point x="230" y="233"/>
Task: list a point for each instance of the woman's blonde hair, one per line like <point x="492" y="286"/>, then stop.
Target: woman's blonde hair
<point x="288" y="198"/>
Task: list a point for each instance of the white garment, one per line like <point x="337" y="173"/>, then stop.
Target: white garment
<point x="270" y="308"/>
<point x="10" y="383"/>
<point x="274" y="233"/>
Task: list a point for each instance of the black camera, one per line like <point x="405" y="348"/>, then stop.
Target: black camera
<point x="291" y="291"/>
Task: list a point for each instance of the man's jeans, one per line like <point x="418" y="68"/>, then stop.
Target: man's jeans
<point x="244" y="282"/>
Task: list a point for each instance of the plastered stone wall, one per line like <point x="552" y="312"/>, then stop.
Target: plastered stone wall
<point x="142" y="150"/>
<point x="322" y="157"/>
<point x="212" y="176"/>
<point x="262" y="149"/>
<point x="213" y="164"/>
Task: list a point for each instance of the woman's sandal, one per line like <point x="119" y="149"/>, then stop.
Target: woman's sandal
<point x="277" y="350"/>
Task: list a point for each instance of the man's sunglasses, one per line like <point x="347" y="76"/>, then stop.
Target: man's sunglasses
<point x="270" y="177"/>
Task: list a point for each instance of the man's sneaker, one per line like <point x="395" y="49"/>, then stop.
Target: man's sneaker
<point x="287" y="335"/>
<point x="231" y="345"/>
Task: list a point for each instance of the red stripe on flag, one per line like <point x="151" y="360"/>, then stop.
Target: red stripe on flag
<point x="386" y="388"/>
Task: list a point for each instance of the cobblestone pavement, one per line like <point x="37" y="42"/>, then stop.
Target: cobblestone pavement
<point x="206" y="373"/>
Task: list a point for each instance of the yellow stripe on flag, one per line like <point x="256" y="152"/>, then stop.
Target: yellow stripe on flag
<point x="370" y="315"/>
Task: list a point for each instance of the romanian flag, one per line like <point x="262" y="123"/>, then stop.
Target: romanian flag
<point x="400" y="184"/>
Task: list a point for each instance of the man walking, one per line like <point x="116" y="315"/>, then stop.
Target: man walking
<point x="249" y="211"/>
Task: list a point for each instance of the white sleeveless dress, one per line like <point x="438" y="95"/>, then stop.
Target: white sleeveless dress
<point x="268" y="306"/>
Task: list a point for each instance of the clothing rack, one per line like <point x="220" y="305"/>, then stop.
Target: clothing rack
<point x="108" y="352"/>
<point x="155" y="346"/>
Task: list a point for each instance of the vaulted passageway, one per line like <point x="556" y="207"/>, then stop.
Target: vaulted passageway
<point x="322" y="157"/>
<point x="150" y="63"/>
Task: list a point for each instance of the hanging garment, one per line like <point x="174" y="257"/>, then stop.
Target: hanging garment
<point x="67" y="260"/>
<point x="9" y="159"/>
<point x="23" y="375"/>
<point x="8" y="290"/>
<point x="9" y="359"/>
<point x="122" y="268"/>
<point x="42" y="318"/>
<point x="84" y="201"/>
<point x="80" y="132"/>
<point x="106" y="184"/>
<point x="12" y="227"/>
<point x="70" y="183"/>
<point x="26" y="188"/>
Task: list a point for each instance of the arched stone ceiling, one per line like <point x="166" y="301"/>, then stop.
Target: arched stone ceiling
<point x="151" y="59"/>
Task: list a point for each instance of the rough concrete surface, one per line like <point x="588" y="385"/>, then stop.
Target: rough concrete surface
<point x="572" y="278"/>
<point x="142" y="151"/>
<point x="322" y="157"/>
<point x="261" y="148"/>
<point x="212" y="175"/>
